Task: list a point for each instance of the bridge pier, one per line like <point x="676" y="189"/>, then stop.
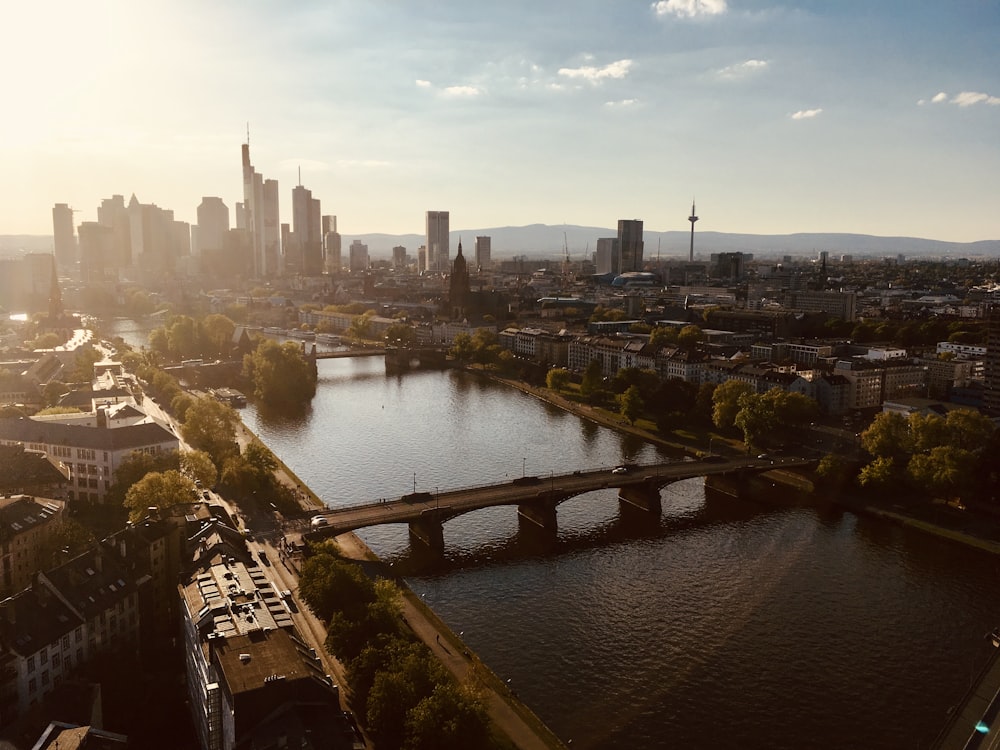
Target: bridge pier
<point x="640" y="497"/>
<point x="541" y="514"/>
<point x="428" y="531"/>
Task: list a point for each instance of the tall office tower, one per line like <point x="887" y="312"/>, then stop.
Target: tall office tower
<point x="332" y="244"/>
<point x="629" y="245"/>
<point x="692" y="218"/>
<point x="482" y="252"/>
<point x="96" y="251"/>
<point x="213" y="225"/>
<point x="606" y="256"/>
<point x="62" y="234"/>
<point x="399" y="257"/>
<point x="157" y="239"/>
<point x="113" y="213"/>
<point x="991" y="393"/>
<point x="438" y="250"/>
<point x="307" y="227"/>
<point x="358" y="254"/>
<point x="260" y="217"/>
<point x="421" y="258"/>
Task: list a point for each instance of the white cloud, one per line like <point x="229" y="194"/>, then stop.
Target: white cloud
<point x="742" y="69"/>
<point x="968" y="98"/>
<point x="939" y="97"/>
<point x="618" y="69"/>
<point x="422" y="83"/>
<point x="621" y="103"/>
<point x="689" y="8"/>
<point x="806" y="114"/>
<point x="461" y="91"/>
<point x="363" y="163"/>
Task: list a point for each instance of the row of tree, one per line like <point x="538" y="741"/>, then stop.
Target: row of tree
<point x="404" y="693"/>
<point x="955" y="457"/>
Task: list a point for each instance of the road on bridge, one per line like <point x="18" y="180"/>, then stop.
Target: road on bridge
<point x="443" y="505"/>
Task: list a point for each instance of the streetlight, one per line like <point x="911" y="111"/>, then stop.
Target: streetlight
<point x="414" y="483"/>
<point x="523" y="461"/>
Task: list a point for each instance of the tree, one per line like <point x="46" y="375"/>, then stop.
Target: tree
<point x="879" y="473"/>
<point x="280" y="374"/>
<point x="557" y="379"/>
<point x="53" y="391"/>
<point x="944" y="471"/>
<point x="461" y="347"/>
<point x="689" y="337"/>
<point x="400" y="333"/>
<point x="211" y="427"/>
<point x="593" y="380"/>
<point x="450" y="718"/>
<point x="218" y="331"/>
<point x="361" y="326"/>
<point x="888" y="436"/>
<point x="158" y="340"/>
<point x="631" y="404"/>
<point x="183" y="337"/>
<point x="198" y="466"/>
<point x="725" y="402"/>
<point x="835" y="471"/>
<point x="159" y="489"/>
<point x="180" y="404"/>
<point x="663" y="336"/>
<point x="968" y="429"/>
<point x="137" y="465"/>
<point x="328" y="584"/>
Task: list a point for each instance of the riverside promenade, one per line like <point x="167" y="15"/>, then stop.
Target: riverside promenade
<point x="508" y="715"/>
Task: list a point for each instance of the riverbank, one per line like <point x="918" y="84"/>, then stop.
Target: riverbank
<point x="941" y="523"/>
<point x="515" y="725"/>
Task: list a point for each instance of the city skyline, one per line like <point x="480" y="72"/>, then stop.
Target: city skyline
<point x="777" y="117"/>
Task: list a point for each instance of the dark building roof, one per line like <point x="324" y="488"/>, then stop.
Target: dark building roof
<point x="22" y="512"/>
<point x="92" y="581"/>
<point x="27" y="430"/>
<point x="24" y="470"/>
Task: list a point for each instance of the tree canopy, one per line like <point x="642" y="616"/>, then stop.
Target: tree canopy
<point x="281" y="376"/>
<point x="210" y="426"/>
<point x="158" y="489"/>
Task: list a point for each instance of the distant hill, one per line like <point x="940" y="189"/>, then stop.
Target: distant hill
<point x="18" y="244"/>
<point x="547" y="241"/>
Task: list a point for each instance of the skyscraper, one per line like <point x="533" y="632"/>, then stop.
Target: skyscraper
<point x="259" y="215"/>
<point x="483" y="252"/>
<point x="438" y="250"/>
<point x="307" y="228"/>
<point x="629" y="245"/>
<point x="606" y="256"/>
<point x="62" y="235"/>
<point x="358" y="256"/>
<point x="96" y="251"/>
<point x="332" y="244"/>
<point x="113" y="214"/>
<point x="213" y="225"/>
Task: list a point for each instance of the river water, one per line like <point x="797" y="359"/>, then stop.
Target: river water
<point x="725" y="624"/>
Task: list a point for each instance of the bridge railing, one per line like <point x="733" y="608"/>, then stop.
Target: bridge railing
<point x="542" y="478"/>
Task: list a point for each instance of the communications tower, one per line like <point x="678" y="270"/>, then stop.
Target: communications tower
<point x="692" y="218"/>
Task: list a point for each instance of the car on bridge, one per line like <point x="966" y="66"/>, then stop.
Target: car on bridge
<point x="318" y="521"/>
<point x="620" y="470"/>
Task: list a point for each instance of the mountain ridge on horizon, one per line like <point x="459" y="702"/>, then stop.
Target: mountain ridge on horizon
<point x="541" y="241"/>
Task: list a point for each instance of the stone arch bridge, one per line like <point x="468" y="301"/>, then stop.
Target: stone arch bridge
<point x="536" y="498"/>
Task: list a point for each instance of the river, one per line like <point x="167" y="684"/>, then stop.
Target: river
<point x="728" y="623"/>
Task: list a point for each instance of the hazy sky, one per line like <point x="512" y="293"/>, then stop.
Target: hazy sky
<point x="870" y="116"/>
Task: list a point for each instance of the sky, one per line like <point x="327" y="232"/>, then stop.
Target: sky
<point x="777" y="117"/>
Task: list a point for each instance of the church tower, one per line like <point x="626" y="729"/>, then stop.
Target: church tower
<point x="458" y="290"/>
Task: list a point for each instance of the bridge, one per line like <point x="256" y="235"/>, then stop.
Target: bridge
<point x="536" y="498"/>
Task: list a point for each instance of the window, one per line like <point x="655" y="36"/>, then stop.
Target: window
<point x="44" y="656"/>
<point x="65" y="642"/>
<point x="32" y="685"/>
<point x="31" y="663"/>
<point x="56" y="661"/>
<point x="45" y="677"/>
<point x="79" y="633"/>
